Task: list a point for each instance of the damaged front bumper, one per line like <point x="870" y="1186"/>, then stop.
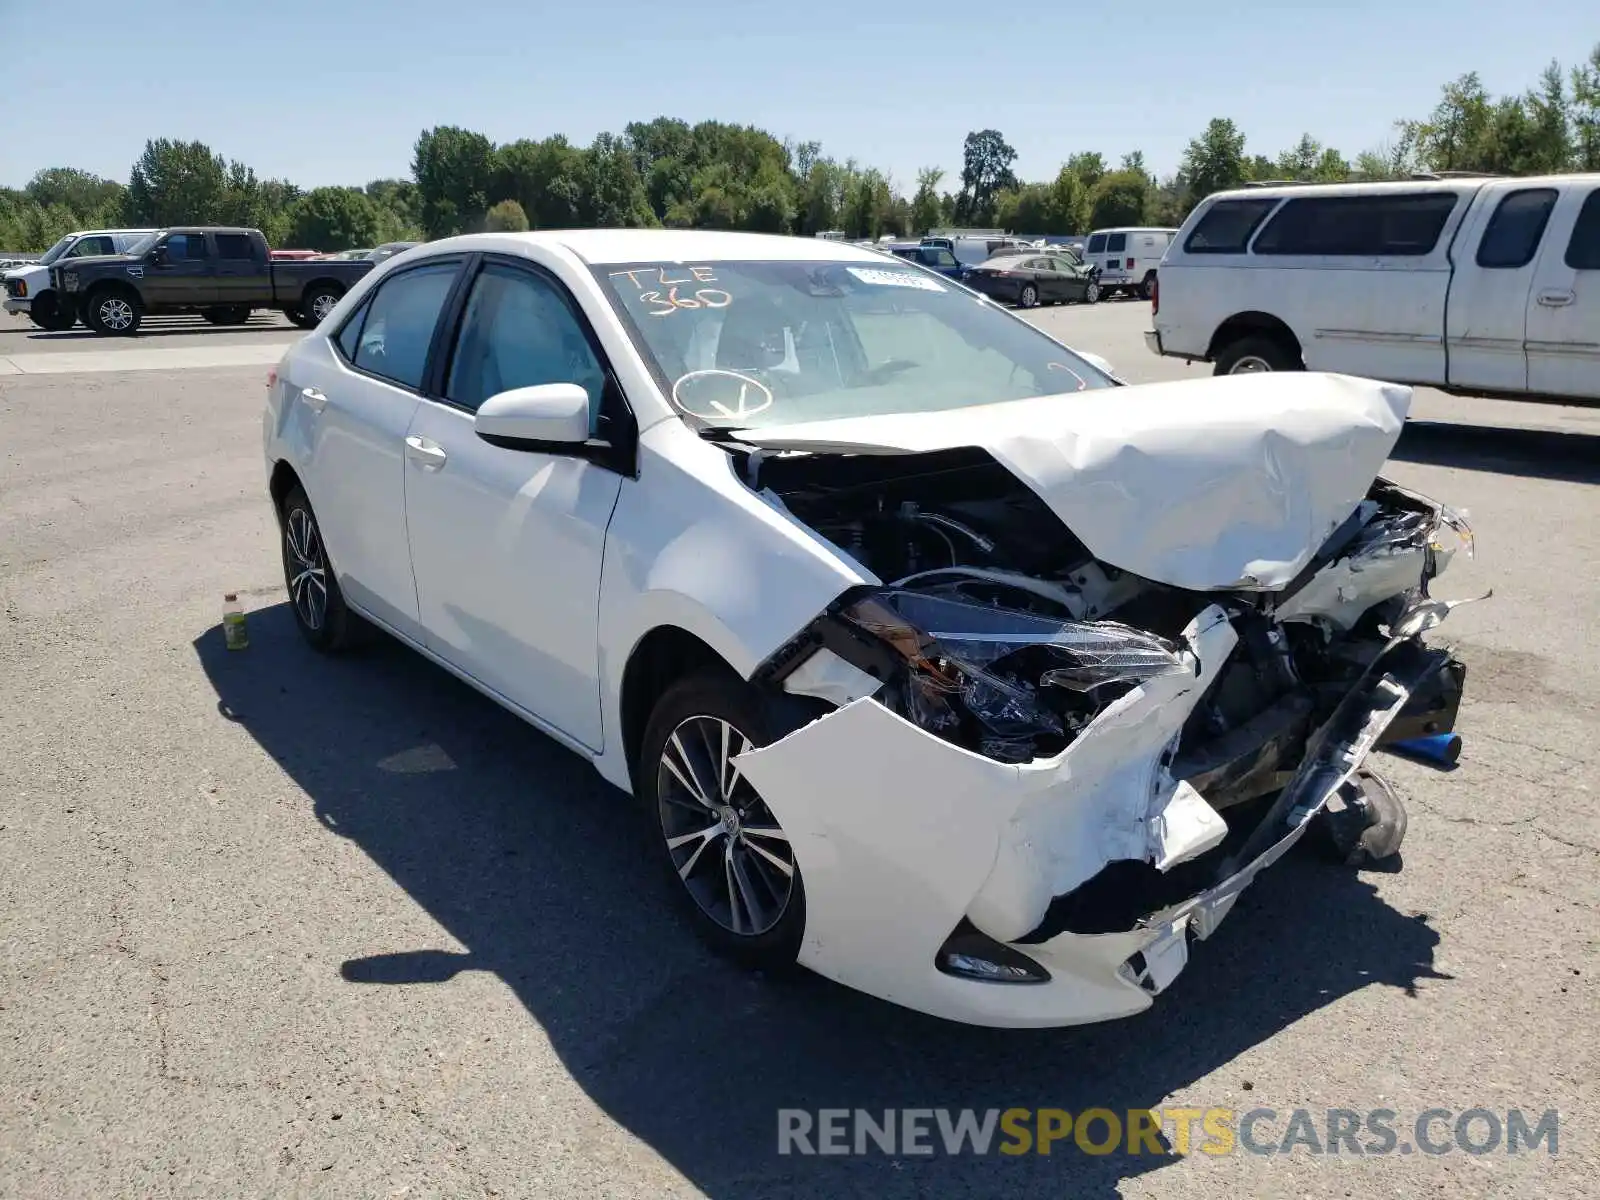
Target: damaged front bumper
<point x="914" y="849"/>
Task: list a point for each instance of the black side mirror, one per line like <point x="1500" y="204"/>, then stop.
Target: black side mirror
<point x="158" y="255"/>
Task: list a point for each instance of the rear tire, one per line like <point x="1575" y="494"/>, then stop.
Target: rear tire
<point x="707" y="871"/>
<point x="318" y="302"/>
<point x="1147" y="289"/>
<point x="113" y="312"/>
<point x="324" y="620"/>
<point x="1255" y="355"/>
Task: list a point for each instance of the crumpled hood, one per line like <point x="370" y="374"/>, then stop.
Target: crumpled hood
<point x="1229" y="482"/>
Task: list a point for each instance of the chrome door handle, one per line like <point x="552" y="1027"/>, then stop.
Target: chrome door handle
<point x="1556" y="299"/>
<point x="314" y="399"/>
<point x="429" y="455"/>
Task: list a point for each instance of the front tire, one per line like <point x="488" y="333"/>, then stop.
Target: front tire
<point x="51" y="316"/>
<point x="113" y="312"/>
<point x="1091" y="294"/>
<point x="1028" y="297"/>
<point x="1255" y="355"/>
<point x="314" y="596"/>
<point x="735" y="873"/>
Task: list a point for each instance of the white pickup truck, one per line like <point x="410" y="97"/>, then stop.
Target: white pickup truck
<point x="28" y="291"/>
<point x="1482" y="285"/>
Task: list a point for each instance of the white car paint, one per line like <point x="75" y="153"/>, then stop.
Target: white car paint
<point x="535" y="574"/>
<point x="1127" y="257"/>
<point x="1200" y="484"/>
<point x="1463" y="315"/>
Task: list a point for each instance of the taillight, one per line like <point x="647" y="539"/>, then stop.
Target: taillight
<point x="1130" y="264"/>
<point x="272" y="379"/>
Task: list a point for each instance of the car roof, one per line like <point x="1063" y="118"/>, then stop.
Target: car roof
<point x="604" y="247"/>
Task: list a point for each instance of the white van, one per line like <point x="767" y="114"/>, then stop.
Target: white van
<point x="1127" y="258"/>
<point x="1478" y="285"/>
<point x="28" y="291"/>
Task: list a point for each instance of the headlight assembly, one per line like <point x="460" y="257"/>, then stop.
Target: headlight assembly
<point x="1011" y="684"/>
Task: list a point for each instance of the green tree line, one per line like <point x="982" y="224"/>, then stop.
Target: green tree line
<point x="713" y="175"/>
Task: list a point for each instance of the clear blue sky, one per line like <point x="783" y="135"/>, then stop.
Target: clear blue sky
<point x="336" y="91"/>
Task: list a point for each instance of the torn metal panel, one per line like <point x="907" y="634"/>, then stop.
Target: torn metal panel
<point x="1231" y="482"/>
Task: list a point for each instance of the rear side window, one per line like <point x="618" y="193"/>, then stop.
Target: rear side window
<point x="1227" y="226"/>
<point x="1097" y="244"/>
<point x="233" y="246"/>
<point x="401" y="316"/>
<point x="1405" y="225"/>
<point x="1583" y="251"/>
<point x="1514" y="231"/>
<point x="1116" y="243"/>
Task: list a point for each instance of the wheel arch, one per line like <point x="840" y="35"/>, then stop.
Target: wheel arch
<point x="1252" y="324"/>
<point x="321" y="283"/>
<point x="659" y="659"/>
<point x="283" y="480"/>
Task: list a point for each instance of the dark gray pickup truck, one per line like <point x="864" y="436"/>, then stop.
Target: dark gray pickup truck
<point x="223" y="274"/>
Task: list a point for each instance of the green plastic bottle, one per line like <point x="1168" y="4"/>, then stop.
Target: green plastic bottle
<point x="234" y="634"/>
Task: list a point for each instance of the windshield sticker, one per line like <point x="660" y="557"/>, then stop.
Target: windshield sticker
<point x="905" y="279"/>
<point x="720" y="395"/>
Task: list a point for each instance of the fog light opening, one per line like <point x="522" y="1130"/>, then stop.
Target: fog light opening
<point x="969" y="953"/>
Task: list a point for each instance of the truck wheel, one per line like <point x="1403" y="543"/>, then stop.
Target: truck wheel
<point x="113" y="312"/>
<point x="1147" y="289"/>
<point x="50" y="316"/>
<point x="320" y="300"/>
<point x="232" y="314"/>
<point x="1252" y="355"/>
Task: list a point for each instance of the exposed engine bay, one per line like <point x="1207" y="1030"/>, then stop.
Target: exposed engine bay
<point x="998" y="632"/>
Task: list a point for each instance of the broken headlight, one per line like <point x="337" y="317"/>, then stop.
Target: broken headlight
<point x="1012" y="685"/>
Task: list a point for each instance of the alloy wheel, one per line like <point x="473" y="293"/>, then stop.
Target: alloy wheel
<point x="728" y="849"/>
<point x="116" y="313"/>
<point x="307" y="568"/>
<point x="322" y="304"/>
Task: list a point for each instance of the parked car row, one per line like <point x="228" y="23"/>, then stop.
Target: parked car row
<point x="1488" y="286"/>
<point x="111" y="278"/>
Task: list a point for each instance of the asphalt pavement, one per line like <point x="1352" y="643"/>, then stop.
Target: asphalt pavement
<point x="275" y="924"/>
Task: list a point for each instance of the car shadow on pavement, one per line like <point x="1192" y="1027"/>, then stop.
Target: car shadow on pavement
<point x="187" y="328"/>
<point x="1569" y="456"/>
<point x="545" y="873"/>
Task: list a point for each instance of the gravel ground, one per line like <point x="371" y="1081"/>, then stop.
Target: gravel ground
<point x="281" y="925"/>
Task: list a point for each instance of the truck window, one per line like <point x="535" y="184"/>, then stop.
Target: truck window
<point x="190" y="246"/>
<point x="234" y="246"/>
<point x="1097" y="244"/>
<point x="1227" y="226"/>
<point x="1116" y="243"/>
<point x="1583" y="251"/>
<point x="98" y="244"/>
<point x="1514" y="231"/>
<point x="1406" y="225"/>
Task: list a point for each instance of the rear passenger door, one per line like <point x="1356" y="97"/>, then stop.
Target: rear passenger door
<point x="1486" y="326"/>
<point x="1564" y="318"/>
<point x="240" y="274"/>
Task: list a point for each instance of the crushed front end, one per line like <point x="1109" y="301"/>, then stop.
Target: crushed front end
<point x="1042" y="774"/>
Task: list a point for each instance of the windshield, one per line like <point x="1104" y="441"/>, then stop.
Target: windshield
<point x="749" y="344"/>
<point x="56" y="251"/>
<point x="144" y="243"/>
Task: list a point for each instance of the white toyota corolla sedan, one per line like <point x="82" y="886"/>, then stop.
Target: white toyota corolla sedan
<point x="941" y="663"/>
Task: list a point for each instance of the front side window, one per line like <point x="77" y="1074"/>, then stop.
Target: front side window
<point x="400" y="318"/>
<point x="518" y="331"/>
<point x="97" y="244"/>
<point x="1227" y="225"/>
<point x="1372" y="226"/>
<point x="1583" y="250"/>
<point x="1097" y="244"/>
<point x="754" y="343"/>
